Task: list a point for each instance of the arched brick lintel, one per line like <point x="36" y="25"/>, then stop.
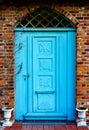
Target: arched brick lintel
<point x="67" y="14"/>
<point x="59" y="9"/>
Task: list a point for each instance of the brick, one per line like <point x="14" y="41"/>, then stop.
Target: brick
<point x="26" y="127"/>
<point x="82" y="128"/>
<point x="49" y="127"/>
<point x="71" y="127"/>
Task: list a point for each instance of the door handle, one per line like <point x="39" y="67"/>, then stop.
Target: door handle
<point x="25" y="76"/>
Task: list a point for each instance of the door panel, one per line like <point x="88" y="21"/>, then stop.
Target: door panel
<point x="44" y="75"/>
<point x="48" y="60"/>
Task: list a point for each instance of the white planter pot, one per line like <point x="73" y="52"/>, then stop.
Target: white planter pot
<point x="82" y="116"/>
<point x="7" y="116"/>
<point x="82" y="112"/>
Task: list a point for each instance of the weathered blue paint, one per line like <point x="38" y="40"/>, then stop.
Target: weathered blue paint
<point x="45" y="87"/>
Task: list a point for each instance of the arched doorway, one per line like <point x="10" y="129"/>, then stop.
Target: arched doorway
<point x="45" y="86"/>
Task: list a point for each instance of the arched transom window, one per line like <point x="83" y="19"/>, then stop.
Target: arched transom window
<point x="45" y="17"/>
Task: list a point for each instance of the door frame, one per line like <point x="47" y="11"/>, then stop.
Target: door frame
<point x="71" y="66"/>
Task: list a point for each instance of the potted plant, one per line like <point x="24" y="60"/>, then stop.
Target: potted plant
<point x="81" y="115"/>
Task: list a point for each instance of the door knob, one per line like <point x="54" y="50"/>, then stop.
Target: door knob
<point x="25" y="76"/>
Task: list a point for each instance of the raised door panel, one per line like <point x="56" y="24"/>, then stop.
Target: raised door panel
<point x="44" y="74"/>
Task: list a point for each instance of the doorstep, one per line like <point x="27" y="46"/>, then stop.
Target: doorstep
<point x="21" y="126"/>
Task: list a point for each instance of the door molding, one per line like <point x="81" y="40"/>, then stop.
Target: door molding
<point x="44" y="29"/>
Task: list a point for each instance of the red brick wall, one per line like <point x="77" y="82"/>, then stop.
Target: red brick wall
<point x="9" y="16"/>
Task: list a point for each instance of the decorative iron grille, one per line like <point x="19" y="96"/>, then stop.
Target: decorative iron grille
<point x="45" y="17"/>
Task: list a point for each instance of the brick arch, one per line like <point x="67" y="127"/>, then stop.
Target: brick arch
<point x="57" y="12"/>
<point x="67" y="14"/>
<point x="30" y="9"/>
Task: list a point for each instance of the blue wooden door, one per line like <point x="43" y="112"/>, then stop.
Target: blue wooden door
<point x="47" y="58"/>
<point x="44" y="82"/>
